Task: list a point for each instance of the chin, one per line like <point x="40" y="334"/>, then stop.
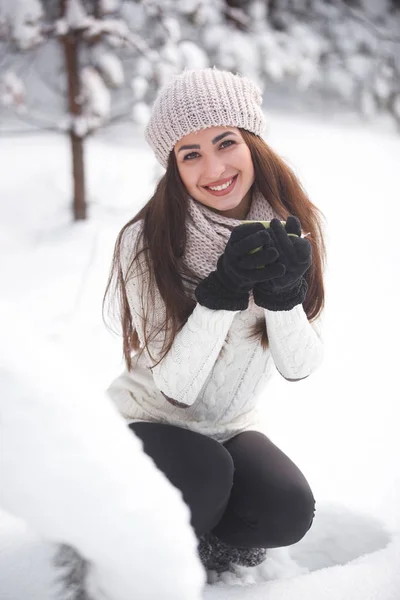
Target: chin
<point x="227" y="208"/>
<point x="231" y="206"/>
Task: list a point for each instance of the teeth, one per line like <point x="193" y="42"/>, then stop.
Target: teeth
<point x="219" y="188"/>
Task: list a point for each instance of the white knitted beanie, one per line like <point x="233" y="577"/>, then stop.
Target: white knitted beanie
<point x="197" y="99"/>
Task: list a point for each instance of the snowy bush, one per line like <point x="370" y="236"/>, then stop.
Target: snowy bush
<point x="347" y="50"/>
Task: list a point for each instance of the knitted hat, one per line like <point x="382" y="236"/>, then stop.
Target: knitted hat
<point x="197" y="99"/>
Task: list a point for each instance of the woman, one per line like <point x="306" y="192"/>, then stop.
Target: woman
<point x="209" y="305"/>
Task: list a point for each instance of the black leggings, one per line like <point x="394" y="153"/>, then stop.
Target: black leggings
<point x="246" y="491"/>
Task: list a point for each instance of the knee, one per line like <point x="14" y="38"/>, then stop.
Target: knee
<point x="213" y="480"/>
<point x="298" y="515"/>
<point x="285" y="520"/>
<point x="216" y="478"/>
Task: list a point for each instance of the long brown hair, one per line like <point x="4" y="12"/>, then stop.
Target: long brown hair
<point x="163" y="241"/>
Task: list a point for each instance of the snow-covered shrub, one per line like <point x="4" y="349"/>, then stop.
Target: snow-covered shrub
<point x="348" y="50"/>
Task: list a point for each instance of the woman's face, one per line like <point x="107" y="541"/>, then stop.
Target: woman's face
<point x="216" y="169"/>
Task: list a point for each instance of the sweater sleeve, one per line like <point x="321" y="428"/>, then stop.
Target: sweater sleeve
<point x="181" y="374"/>
<point x="295" y="343"/>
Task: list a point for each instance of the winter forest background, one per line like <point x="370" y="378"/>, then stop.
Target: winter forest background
<point x="75" y="66"/>
<point x="77" y="80"/>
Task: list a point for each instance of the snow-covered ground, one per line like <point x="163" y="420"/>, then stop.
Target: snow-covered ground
<point x="57" y="358"/>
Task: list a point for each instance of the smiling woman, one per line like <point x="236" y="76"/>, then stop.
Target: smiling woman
<point x="220" y="172"/>
<point x="196" y="302"/>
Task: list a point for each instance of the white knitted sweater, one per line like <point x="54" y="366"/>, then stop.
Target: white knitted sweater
<point x="213" y="367"/>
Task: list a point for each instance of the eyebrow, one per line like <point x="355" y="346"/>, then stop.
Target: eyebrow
<point x="214" y="141"/>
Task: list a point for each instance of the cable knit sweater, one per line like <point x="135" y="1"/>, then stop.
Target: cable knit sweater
<point x="214" y="368"/>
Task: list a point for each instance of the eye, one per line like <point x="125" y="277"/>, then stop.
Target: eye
<point x="228" y="142"/>
<point x="190" y="156"/>
<point x="223" y="145"/>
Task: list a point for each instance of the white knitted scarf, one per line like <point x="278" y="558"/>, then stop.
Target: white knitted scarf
<point x="208" y="232"/>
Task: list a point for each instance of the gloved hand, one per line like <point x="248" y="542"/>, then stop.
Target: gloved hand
<point x="238" y="269"/>
<point x="286" y="291"/>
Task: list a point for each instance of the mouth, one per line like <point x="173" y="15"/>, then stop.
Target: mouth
<point x="224" y="188"/>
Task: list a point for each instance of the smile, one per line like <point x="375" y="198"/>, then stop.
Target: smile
<point x="223" y="189"/>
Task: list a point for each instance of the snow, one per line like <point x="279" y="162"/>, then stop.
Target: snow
<point x="188" y="6"/>
<point x="111" y="68"/>
<point x="192" y="57"/>
<point x="70" y="468"/>
<point x="12" y="89"/>
<point x="139" y="87"/>
<point x="240" y="54"/>
<point x="25" y="19"/>
<point x="61" y="27"/>
<point x="75" y="15"/>
<point x="114" y="27"/>
<point x="173" y="29"/>
<point x="97" y="100"/>
<point x="109" y="6"/>
<point x="322" y="51"/>
<point x="140" y="113"/>
<point x="76" y="447"/>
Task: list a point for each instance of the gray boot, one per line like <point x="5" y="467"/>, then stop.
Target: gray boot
<point x="218" y="556"/>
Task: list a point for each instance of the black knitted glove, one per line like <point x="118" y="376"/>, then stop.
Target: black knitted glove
<point x="239" y="268"/>
<point x="290" y="289"/>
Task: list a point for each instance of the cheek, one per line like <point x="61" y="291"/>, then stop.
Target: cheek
<point x="188" y="177"/>
<point x="251" y="170"/>
<point x="184" y="177"/>
<point x="247" y="165"/>
<point x="243" y="160"/>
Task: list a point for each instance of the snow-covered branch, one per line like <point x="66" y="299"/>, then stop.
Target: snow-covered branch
<point x="12" y="90"/>
<point x="95" y="95"/>
<point x="23" y="20"/>
<point x="110" y="67"/>
<point x="344" y="50"/>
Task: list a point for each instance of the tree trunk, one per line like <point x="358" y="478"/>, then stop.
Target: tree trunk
<point x="78" y="173"/>
<point x="71" y="46"/>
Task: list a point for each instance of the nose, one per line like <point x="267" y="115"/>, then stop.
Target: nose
<point x="214" y="168"/>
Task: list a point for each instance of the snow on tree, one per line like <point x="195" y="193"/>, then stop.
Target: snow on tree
<point x="12" y="90"/>
<point x="192" y="56"/>
<point x="93" y="38"/>
<point x="118" y="53"/>
<point x="75" y="15"/>
<point x="24" y="19"/>
<point x="95" y="96"/>
<point x="109" y="6"/>
<point x="110" y="68"/>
